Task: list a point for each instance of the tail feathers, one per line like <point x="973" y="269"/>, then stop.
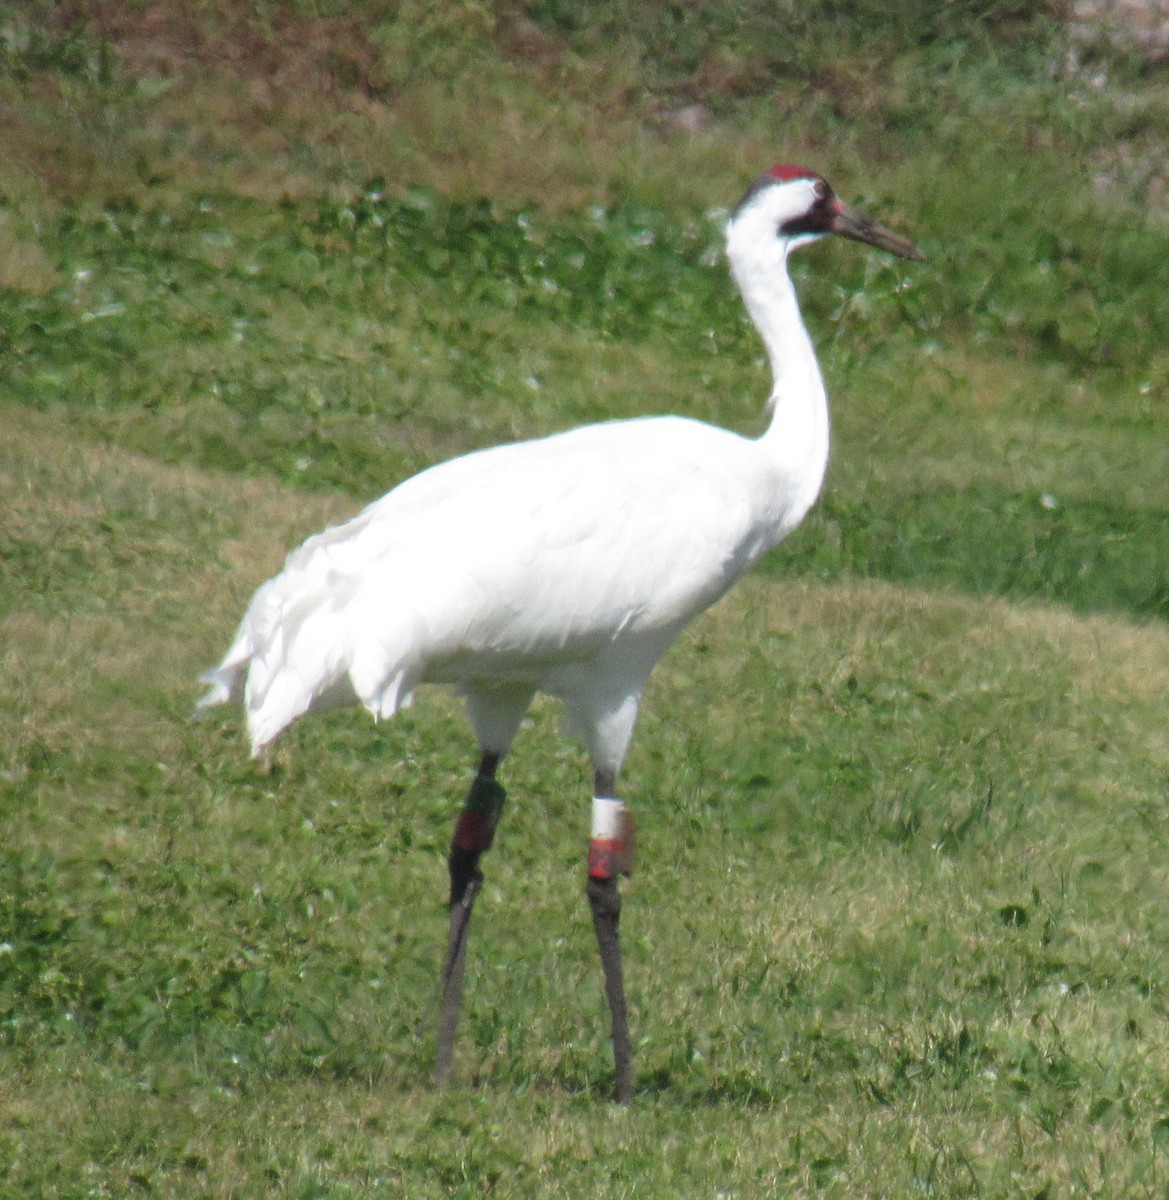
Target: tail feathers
<point x="290" y="659"/>
<point x="384" y="688"/>
<point x="226" y="681"/>
<point x="222" y="683"/>
<point x="297" y="666"/>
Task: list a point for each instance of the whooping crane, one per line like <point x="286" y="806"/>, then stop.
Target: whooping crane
<point x="565" y="565"/>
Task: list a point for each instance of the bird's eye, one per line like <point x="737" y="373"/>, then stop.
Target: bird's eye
<point x="821" y="189"/>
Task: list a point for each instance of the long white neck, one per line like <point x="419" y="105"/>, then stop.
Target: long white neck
<point x="797" y="439"/>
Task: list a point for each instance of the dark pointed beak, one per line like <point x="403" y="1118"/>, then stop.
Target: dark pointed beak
<point x="850" y="224"/>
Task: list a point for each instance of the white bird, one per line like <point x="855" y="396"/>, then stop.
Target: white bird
<point x="565" y="565"/>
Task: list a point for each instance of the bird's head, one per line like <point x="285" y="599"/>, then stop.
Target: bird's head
<point x="798" y="206"/>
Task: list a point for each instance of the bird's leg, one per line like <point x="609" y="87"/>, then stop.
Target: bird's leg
<point x="611" y="853"/>
<point x="474" y="833"/>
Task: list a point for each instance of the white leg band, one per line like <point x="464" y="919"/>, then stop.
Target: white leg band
<point x="607" y="822"/>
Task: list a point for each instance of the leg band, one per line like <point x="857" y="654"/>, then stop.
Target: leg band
<point x="613" y="847"/>
<point x="475" y="830"/>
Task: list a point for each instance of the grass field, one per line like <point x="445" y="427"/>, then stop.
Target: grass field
<point x="900" y="926"/>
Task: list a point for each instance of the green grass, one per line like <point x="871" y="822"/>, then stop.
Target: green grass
<point x="899" y="926"/>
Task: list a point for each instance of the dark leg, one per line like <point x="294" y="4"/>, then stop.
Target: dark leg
<point x="474" y="833"/>
<point x="611" y="854"/>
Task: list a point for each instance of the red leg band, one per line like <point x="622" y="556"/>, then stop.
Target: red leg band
<point x="613" y="856"/>
<point x="475" y="829"/>
<point x="605" y="858"/>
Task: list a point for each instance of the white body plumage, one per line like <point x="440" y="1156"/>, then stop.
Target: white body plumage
<point x="565" y="565"/>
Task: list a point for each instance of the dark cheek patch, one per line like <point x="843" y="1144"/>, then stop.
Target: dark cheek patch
<point x="818" y="219"/>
